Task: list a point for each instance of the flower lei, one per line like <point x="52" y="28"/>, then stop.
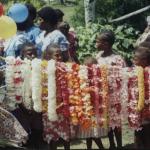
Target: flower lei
<point x="140" y="74"/>
<point x="98" y="97"/>
<point x="18" y="80"/>
<point x="36" y="85"/>
<point x="52" y="114"/>
<point x="62" y="90"/>
<point x="105" y="95"/>
<point x="10" y="86"/>
<point x="27" y="89"/>
<point x="87" y="107"/>
<point x="74" y="93"/>
<point x="115" y="84"/>
<point x="134" y="116"/>
<point x="146" y="110"/>
<point x="44" y="84"/>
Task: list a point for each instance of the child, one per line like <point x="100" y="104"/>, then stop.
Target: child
<point x="141" y="58"/>
<point x="55" y="131"/>
<point x="106" y="56"/>
<point x="72" y="38"/>
<point x="89" y="61"/>
<point x="29" y="119"/>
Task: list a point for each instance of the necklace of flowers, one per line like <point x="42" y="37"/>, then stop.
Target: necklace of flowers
<point x="115" y="84"/>
<point x="26" y="87"/>
<point x="134" y="117"/>
<point x="146" y="110"/>
<point x="44" y="84"/>
<point x="9" y="79"/>
<point x="52" y="103"/>
<point x="105" y="95"/>
<point x="36" y="85"/>
<point x="18" y="80"/>
<point x="74" y="93"/>
<point x="62" y="90"/>
<point x="98" y="99"/>
<point x="87" y="108"/>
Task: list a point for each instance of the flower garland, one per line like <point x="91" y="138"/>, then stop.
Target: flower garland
<point x="140" y="74"/>
<point x="10" y="86"/>
<point x="27" y="90"/>
<point x="87" y="107"/>
<point x="36" y="85"/>
<point x="98" y="99"/>
<point x="18" y="80"/>
<point x="134" y="117"/>
<point x="52" y="114"/>
<point x="105" y="95"/>
<point x="146" y="110"/>
<point x="74" y="93"/>
<point x="62" y="90"/>
<point x="115" y="84"/>
<point x="44" y="84"/>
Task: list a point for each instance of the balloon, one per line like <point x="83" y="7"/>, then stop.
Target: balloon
<point x="8" y="27"/>
<point x="18" y="12"/>
<point x="1" y="9"/>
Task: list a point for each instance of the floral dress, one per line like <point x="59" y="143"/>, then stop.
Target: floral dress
<point x="10" y="128"/>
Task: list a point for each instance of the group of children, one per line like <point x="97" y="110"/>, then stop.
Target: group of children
<point x="53" y="40"/>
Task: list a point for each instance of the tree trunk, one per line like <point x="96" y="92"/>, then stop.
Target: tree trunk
<point x="89" y="7"/>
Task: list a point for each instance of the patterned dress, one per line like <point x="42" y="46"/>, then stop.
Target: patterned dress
<point x="10" y="128"/>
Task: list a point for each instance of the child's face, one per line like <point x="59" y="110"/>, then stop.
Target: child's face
<point x="101" y="44"/>
<point x="42" y="24"/>
<point x="138" y="60"/>
<point x="56" y="55"/>
<point x="30" y="54"/>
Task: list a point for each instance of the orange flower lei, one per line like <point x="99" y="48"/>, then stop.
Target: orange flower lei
<point x="44" y="80"/>
<point x="104" y="74"/>
<point x="74" y="93"/>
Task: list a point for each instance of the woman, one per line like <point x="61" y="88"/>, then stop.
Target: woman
<point x="48" y="24"/>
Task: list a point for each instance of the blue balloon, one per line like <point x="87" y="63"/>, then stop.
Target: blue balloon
<point x="18" y="12"/>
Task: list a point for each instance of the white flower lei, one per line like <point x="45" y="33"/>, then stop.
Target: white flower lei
<point x="52" y="114"/>
<point x="36" y="85"/>
<point x="27" y="92"/>
<point x="10" y="86"/>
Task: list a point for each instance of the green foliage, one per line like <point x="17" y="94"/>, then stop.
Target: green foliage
<point x="124" y="44"/>
<point x="111" y="9"/>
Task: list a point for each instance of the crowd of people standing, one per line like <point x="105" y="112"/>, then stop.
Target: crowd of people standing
<point x="52" y="39"/>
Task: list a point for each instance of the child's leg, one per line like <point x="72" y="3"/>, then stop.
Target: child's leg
<point x="118" y="136"/>
<point x="111" y="138"/>
<point x="138" y="139"/>
<point x="99" y="143"/>
<point x="89" y="143"/>
<point x="66" y="144"/>
<point x="52" y="145"/>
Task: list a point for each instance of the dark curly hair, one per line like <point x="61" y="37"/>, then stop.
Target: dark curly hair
<point x="107" y="35"/>
<point x="49" y="15"/>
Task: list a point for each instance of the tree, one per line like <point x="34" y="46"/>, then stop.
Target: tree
<point x="89" y="6"/>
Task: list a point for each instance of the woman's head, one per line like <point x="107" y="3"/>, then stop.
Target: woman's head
<point x="142" y="56"/>
<point x="60" y="15"/>
<point x="105" y="40"/>
<point x="47" y="18"/>
<point x="28" y="50"/>
<point x="52" y="52"/>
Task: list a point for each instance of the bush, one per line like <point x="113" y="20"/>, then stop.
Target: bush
<point x="124" y="44"/>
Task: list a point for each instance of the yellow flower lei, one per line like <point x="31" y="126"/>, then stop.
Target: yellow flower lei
<point x="140" y="75"/>
<point x="44" y="79"/>
<point x="104" y="74"/>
